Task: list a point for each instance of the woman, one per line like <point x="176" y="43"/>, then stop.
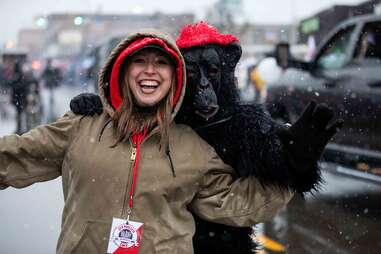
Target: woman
<point x="131" y="175"/>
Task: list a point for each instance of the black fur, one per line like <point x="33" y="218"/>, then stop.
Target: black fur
<point x="245" y="137"/>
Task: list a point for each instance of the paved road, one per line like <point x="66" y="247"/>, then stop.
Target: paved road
<point x="344" y="218"/>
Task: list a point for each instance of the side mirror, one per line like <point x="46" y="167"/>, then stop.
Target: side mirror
<point x="285" y="60"/>
<point x="283" y="55"/>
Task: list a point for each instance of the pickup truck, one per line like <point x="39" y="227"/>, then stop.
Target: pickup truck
<point x="345" y="73"/>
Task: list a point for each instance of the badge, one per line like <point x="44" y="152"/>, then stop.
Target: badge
<point x="125" y="237"/>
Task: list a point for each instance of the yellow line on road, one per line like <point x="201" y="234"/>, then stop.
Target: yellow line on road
<point x="271" y="244"/>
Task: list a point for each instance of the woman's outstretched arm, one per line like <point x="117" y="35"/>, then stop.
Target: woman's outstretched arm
<point x="37" y="155"/>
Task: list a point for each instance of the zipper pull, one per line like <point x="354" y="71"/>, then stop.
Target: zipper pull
<point x="133" y="154"/>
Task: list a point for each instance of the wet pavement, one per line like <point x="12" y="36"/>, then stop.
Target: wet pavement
<point x="344" y="218"/>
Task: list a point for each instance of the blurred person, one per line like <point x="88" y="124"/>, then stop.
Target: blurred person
<point x="265" y="74"/>
<point x="6" y="75"/>
<point x="131" y="175"/>
<point x="258" y="84"/>
<point x="51" y="75"/>
<point x="51" y="78"/>
<point x="3" y="92"/>
<point x="19" y="85"/>
<point x="91" y="74"/>
<point x="34" y="108"/>
<point x="367" y="45"/>
<point x="311" y="48"/>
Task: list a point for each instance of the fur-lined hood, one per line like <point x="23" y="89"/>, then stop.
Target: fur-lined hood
<point x="109" y="91"/>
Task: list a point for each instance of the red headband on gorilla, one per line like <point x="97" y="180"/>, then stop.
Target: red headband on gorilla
<point x="202" y="33"/>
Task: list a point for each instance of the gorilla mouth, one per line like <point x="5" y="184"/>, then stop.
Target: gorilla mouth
<point x="207" y="112"/>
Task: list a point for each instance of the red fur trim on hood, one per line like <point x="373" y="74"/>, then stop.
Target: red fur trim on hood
<point x="202" y="33"/>
<point x="115" y="94"/>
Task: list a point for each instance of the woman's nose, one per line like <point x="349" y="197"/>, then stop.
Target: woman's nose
<point x="150" y="68"/>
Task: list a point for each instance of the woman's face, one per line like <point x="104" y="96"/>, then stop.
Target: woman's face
<point x="149" y="76"/>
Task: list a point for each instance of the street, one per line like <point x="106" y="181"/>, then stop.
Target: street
<point x="344" y="217"/>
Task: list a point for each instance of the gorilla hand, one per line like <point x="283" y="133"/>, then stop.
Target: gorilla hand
<point x="86" y="104"/>
<point x="306" y="139"/>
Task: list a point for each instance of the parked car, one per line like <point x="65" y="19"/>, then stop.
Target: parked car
<point x="345" y="73"/>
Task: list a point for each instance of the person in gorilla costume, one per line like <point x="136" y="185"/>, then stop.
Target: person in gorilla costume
<point x="243" y="135"/>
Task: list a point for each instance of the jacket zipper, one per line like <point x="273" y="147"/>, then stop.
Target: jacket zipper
<point x="129" y="180"/>
<point x="126" y="196"/>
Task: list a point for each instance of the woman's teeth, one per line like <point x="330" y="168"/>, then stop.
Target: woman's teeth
<point x="148" y="86"/>
<point x="149" y="83"/>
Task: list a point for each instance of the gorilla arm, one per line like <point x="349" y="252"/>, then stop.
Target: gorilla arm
<point x="280" y="156"/>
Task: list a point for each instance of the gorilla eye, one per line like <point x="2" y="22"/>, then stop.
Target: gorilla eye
<point x="191" y="72"/>
<point x="213" y="70"/>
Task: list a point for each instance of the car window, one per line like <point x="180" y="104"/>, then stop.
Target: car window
<point x="369" y="45"/>
<point x="333" y="55"/>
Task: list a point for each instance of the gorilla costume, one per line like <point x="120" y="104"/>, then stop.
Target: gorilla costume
<point x="243" y="135"/>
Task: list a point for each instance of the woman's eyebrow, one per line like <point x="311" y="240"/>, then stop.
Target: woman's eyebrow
<point x="138" y="55"/>
<point x="162" y="54"/>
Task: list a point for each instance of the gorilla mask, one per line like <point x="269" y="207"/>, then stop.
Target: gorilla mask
<point x="210" y="59"/>
<point x="204" y="73"/>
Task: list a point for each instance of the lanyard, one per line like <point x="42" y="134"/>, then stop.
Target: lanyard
<point x="137" y="139"/>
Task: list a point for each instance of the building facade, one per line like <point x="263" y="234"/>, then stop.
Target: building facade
<point x="70" y="34"/>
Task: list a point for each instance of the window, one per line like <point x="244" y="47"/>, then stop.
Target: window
<point x="369" y="45"/>
<point x="334" y="54"/>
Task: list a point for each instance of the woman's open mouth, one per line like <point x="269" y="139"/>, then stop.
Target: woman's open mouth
<point x="148" y="86"/>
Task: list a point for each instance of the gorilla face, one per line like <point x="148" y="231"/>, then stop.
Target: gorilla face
<point x="203" y="80"/>
<point x="211" y="84"/>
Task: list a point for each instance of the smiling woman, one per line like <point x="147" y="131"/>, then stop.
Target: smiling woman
<point x="143" y="81"/>
<point x="149" y="76"/>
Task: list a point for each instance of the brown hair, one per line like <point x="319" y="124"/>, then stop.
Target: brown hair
<point x="130" y="118"/>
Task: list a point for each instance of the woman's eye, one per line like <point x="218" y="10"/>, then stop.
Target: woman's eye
<point x="139" y="60"/>
<point x="162" y="61"/>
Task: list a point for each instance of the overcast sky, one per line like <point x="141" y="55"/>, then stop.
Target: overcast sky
<point x="17" y="14"/>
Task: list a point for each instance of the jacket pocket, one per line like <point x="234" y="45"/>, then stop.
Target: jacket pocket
<point x="94" y="238"/>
